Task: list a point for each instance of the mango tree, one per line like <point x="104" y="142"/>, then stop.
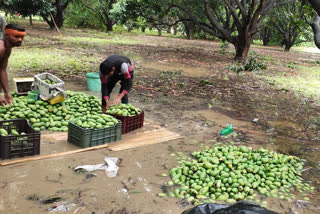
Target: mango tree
<point x="102" y="9"/>
<point x="154" y="12"/>
<point x="27" y="8"/>
<point x="289" y="22"/>
<point x="235" y="21"/>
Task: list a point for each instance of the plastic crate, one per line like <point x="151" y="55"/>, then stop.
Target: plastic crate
<point x="44" y="88"/>
<point x="19" y="145"/>
<point x="130" y="123"/>
<point x="93" y="137"/>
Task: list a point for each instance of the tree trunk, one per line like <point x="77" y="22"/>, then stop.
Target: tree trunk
<point x="287" y="46"/>
<point x="49" y="22"/>
<point x="109" y="25"/>
<point x="56" y="19"/>
<point x="59" y="18"/>
<point x="242" y="47"/>
<point x="168" y="29"/>
<point x="316" y="30"/>
<point x="30" y="20"/>
<point x="265" y="41"/>
<point x="143" y="29"/>
<point x="175" y="30"/>
<point x="159" y="28"/>
<point x="187" y="29"/>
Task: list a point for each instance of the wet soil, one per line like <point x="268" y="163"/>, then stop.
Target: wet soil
<point x="169" y="87"/>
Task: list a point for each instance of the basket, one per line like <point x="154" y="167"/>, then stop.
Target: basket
<point x="19" y="145"/>
<point x="93" y="137"/>
<point x="46" y="90"/>
<point x="130" y="123"/>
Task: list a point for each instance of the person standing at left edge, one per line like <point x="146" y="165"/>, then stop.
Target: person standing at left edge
<point x="115" y="68"/>
<point x="14" y="35"/>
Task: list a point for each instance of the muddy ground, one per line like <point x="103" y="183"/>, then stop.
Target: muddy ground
<point x="168" y="87"/>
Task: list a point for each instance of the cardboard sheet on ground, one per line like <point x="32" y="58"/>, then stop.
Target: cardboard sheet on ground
<point x="138" y="139"/>
<point x="148" y="135"/>
<point x="55" y="144"/>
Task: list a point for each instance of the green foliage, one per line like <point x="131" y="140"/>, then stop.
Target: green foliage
<point x="223" y="46"/>
<point x="27" y="7"/>
<point x="77" y="15"/>
<point x="253" y="63"/>
<point x="292" y="65"/>
<point x="289" y="24"/>
<point x="102" y="10"/>
<point x="206" y="82"/>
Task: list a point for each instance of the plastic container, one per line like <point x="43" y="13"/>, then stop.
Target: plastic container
<point x="93" y="81"/>
<point x="130" y="123"/>
<point x="227" y="130"/>
<point x="46" y="90"/>
<point x="23" y="85"/>
<point x="93" y="137"/>
<point x="19" y="145"/>
<point x="33" y="95"/>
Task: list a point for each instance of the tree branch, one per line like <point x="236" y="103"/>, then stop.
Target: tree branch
<point x="203" y="26"/>
<point x="94" y="10"/>
<point x="234" y="14"/>
<point x="213" y="21"/>
<point x="242" y="9"/>
<point x="257" y="13"/>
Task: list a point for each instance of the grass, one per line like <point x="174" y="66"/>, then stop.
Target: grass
<point x="306" y="82"/>
<point x="40" y="59"/>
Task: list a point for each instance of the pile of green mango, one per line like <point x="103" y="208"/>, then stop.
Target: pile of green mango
<point x="42" y="115"/>
<point x="230" y="173"/>
<point x="123" y="110"/>
<point x="50" y="82"/>
<point x="95" y="121"/>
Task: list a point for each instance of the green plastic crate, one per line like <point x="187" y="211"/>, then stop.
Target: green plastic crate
<point x="93" y="137"/>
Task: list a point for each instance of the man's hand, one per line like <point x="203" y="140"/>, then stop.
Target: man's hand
<point x="2" y="100"/>
<point x="107" y="106"/>
<point x="104" y="109"/>
<point x="8" y="98"/>
<point x="117" y="100"/>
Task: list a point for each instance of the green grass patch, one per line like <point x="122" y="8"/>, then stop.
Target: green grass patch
<point x="65" y="61"/>
<point x="306" y="81"/>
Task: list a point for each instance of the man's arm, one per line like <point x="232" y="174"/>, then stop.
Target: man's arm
<point x="105" y="94"/>
<point x="4" y="77"/>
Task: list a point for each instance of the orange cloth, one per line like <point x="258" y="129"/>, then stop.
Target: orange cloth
<point x="11" y="32"/>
